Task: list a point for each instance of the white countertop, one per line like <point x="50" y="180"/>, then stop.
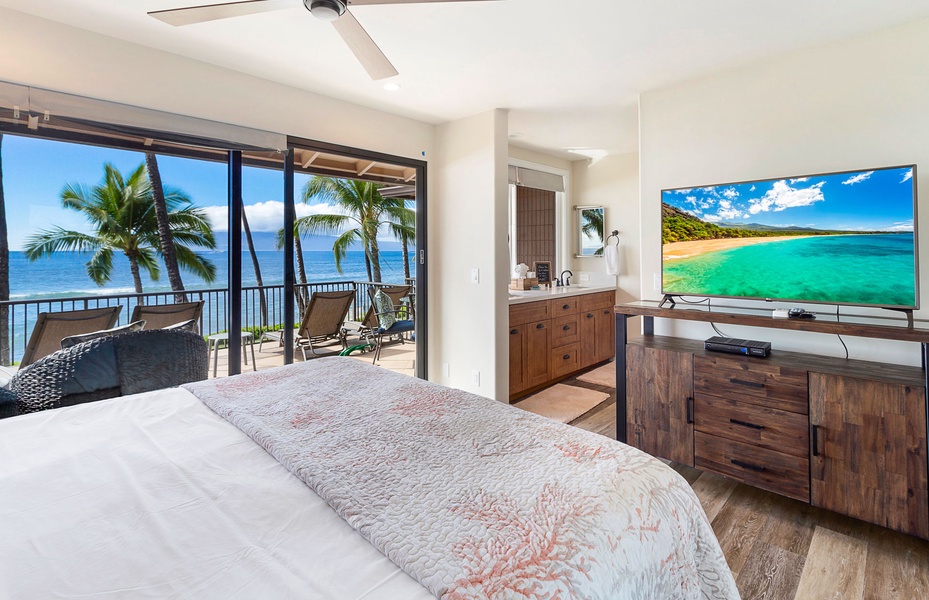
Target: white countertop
<point x="521" y="296"/>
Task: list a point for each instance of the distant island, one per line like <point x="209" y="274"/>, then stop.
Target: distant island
<point x="680" y="226"/>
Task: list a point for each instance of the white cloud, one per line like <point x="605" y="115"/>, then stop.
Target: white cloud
<point x="900" y="226"/>
<point x="731" y="193"/>
<point x="782" y="196"/>
<point x="753" y="189"/>
<point x="683" y="191"/>
<point x="858" y="178"/>
<point x="712" y="219"/>
<point x="725" y="204"/>
<point x="746" y="216"/>
<point x="691" y="200"/>
<point x="707" y="204"/>
<point x="908" y="176"/>
<point x="799" y="180"/>
<point x="264" y="216"/>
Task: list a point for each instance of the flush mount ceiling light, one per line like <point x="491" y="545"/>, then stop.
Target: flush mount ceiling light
<point x="334" y="11"/>
<point x="391" y="87"/>
<point x="325" y="10"/>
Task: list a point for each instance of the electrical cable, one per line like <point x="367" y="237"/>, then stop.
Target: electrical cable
<point x="838" y="335"/>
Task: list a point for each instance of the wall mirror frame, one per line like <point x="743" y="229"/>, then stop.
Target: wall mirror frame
<point x="589" y="231"/>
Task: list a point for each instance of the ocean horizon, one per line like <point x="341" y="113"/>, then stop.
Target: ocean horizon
<point x="64" y="275"/>
<point x="873" y="269"/>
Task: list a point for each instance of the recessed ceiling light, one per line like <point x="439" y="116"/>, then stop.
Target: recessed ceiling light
<point x="391" y="87"/>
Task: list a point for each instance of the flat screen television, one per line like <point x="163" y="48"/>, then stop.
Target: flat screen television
<point x="838" y="238"/>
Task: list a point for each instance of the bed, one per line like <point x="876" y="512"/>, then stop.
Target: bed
<point x="333" y="479"/>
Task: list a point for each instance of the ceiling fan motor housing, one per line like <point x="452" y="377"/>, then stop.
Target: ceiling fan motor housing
<point x="326" y="10"/>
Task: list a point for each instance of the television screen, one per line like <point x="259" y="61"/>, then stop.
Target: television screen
<point x="838" y="238"/>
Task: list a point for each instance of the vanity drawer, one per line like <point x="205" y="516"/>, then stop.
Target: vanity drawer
<point x="752" y="380"/>
<point x="597" y="300"/>
<point x="759" y="467"/>
<point x="565" y="331"/>
<point x="752" y="424"/>
<point x="564" y="306"/>
<point x="565" y="360"/>
<point x="529" y="312"/>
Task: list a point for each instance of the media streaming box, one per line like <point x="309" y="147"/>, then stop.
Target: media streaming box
<point x="737" y="346"/>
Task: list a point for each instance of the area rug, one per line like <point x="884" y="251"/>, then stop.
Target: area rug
<point x="605" y="375"/>
<point x="562" y="403"/>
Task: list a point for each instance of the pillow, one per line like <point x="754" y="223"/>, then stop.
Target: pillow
<point x="73" y="340"/>
<point x="385" y="310"/>
<point x="189" y="325"/>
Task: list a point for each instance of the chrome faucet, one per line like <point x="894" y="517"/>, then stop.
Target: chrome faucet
<point x="565" y="281"/>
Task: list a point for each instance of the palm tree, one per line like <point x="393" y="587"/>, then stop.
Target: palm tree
<point x="120" y="211"/>
<point x="592" y="227"/>
<point x="364" y="211"/>
<point x="5" y="357"/>
<point x="251" y="251"/>
<point x="164" y="227"/>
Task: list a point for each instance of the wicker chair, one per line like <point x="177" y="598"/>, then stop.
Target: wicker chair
<point x="51" y="328"/>
<point x="111" y="366"/>
<point x="159" y="316"/>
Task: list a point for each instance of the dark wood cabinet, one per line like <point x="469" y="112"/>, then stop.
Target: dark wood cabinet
<point x="659" y="398"/>
<point x="869" y="451"/>
<point x="598" y="339"/>
<point x="538" y="352"/>
<point x="519" y="375"/>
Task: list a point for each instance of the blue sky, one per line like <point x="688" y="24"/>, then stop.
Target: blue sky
<point x="880" y="199"/>
<point x="35" y="171"/>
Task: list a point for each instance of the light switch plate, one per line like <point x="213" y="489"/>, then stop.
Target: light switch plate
<point x="476" y="377"/>
<point x="475" y="275"/>
<point x="585" y="277"/>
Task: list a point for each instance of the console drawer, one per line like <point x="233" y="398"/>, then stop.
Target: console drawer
<point x="597" y="300"/>
<point x="565" y="331"/>
<point x="769" y="428"/>
<point x="752" y="380"/>
<point x="759" y="467"/>
<point x="529" y="312"/>
<point x="564" y="306"/>
<point x="565" y="360"/>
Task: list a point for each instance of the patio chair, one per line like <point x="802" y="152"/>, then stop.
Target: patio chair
<point x="322" y="322"/>
<point x="366" y="329"/>
<point x="159" y="316"/>
<point x="404" y="321"/>
<point x="52" y="327"/>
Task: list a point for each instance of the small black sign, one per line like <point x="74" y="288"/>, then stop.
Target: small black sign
<point x="543" y="271"/>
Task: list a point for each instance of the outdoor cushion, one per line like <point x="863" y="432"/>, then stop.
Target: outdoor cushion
<point x="400" y="327"/>
<point x="188" y="325"/>
<point x="384" y="308"/>
<point x="73" y="340"/>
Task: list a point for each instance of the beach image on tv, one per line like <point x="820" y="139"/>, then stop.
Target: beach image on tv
<point x="843" y="238"/>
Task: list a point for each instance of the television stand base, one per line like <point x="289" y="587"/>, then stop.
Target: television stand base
<point x="909" y="315"/>
<point x="666" y="298"/>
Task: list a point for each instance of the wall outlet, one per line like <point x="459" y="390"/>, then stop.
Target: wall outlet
<point x="584" y="277"/>
<point x="656" y="281"/>
<point x="475" y="275"/>
<point x="445" y="371"/>
<point x="476" y="377"/>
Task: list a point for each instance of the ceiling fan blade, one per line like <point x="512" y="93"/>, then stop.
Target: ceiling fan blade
<point x="363" y="2"/>
<point x="212" y="12"/>
<point x="363" y="47"/>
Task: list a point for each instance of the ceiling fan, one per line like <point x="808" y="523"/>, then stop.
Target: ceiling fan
<point x="335" y="11"/>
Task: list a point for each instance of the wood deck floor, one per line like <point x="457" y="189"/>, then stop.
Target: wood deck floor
<point x="781" y="549"/>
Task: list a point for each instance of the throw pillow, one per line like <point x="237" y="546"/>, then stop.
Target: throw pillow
<point x="73" y="340"/>
<point x="189" y="325"/>
<point x="385" y="310"/>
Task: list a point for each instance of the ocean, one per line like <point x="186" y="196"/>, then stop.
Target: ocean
<point x="64" y="274"/>
<point x="874" y="269"/>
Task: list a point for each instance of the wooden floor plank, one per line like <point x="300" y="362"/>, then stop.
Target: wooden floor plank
<point x="897" y="567"/>
<point x="737" y="525"/>
<point x="713" y="491"/>
<point x="835" y="567"/>
<point x="770" y="573"/>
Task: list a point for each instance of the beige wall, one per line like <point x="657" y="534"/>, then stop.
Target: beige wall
<point x="467" y="229"/>
<point x="612" y="182"/>
<point x="857" y="104"/>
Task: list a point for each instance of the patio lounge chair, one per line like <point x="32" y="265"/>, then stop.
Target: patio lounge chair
<point x="52" y="327"/>
<point x="403" y="317"/>
<point x="322" y="322"/>
<point x="366" y="329"/>
<point x="159" y="316"/>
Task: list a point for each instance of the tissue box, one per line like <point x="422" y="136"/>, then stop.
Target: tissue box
<point x="523" y="284"/>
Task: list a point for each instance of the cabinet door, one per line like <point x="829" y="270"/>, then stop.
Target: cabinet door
<point x="659" y="402"/>
<point x="588" y="338"/>
<point x="606" y="334"/>
<point x="538" y="353"/>
<point x="518" y="371"/>
<point x="868" y="443"/>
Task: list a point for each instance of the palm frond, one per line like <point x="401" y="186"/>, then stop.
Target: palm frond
<point x="100" y="266"/>
<point x="58" y="239"/>
<point x="195" y="263"/>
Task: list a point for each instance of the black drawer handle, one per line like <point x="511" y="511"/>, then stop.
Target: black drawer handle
<point x="590" y="315"/>
<point x="566" y="328"/>
<point x="748" y="466"/>
<point x="514" y="331"/>
<point x="690" y="410"/>
<point x="540" y="326"/>
<point x="815" y="432"/>
<point x="566" y="306"/>
<point x="606" y="312"/>
<point x="744" y="424"/>
<point x="566" y="356"/>
<point x="748" y="383"/>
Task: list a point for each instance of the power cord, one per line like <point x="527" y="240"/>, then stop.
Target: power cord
<point x="838" y="335"/>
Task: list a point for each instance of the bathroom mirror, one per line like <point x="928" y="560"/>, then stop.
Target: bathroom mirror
<point x="589" y="231"/>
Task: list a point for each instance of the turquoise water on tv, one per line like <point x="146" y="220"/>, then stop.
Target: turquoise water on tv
<point x="844" y="269"/>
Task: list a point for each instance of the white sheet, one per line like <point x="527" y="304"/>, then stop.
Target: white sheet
<point x="155" y="496"/>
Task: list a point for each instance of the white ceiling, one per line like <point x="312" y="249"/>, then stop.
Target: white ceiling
<point x="568" y="71"/>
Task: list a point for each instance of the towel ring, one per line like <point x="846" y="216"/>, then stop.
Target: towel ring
<point x="614" y="234"/>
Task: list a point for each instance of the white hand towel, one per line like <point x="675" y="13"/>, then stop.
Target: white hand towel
<point x="611" y="253"/>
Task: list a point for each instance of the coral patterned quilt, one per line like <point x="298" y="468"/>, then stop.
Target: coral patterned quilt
<point x="474" y="498"/>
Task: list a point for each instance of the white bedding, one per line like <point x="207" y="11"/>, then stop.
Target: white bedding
<point x="155" y="496"/>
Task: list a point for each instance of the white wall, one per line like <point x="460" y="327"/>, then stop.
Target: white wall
<point x="856" y="104"/>
<point x="611" y="182"/>
<point x="467" y="230"/>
